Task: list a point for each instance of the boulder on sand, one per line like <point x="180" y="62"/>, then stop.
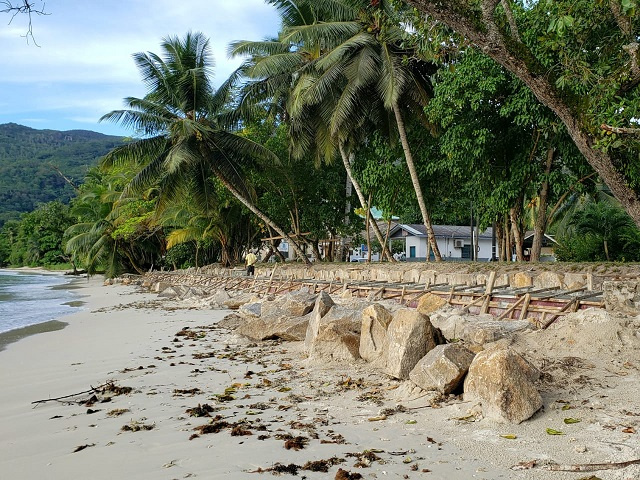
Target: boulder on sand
<point x="503" y="382"/>
<point x="409" y="337"/>
<point x="442" y="368"/>
<point x="375" y="321"/>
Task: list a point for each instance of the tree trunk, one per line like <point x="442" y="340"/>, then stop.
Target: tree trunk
<point x="508" y="243"/>
<point x="356" y="186"/>
<point x="416" y="183"/>
<point x="487" y="36"/>
<point x="541" y="219"/>
<point x="514" y="216"/>
<point x="500" y="240"/>
<point x="247" y="203"/>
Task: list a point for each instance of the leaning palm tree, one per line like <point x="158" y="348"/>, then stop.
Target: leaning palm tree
<point x="275" y="70"/>
<point x="370" y="52"/>
<point x="185" y="138"/>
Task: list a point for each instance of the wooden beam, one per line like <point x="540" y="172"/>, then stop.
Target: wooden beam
<point x="488" y="291"/>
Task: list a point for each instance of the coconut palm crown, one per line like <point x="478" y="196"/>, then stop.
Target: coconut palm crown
<point x="185" y="139"/>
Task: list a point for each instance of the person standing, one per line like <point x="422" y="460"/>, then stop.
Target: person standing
<point x="250" y="260"/>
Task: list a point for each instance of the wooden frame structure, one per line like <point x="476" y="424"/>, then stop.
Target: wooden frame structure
<point x="541" y="306"/>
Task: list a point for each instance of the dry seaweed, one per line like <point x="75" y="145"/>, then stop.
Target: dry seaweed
<point x="345" y="475"/>
<point x="117" y="412"/>
<point x="215" y="427"/>
<point x="296" y="443"/>
<point x="189" y="391"/>
<point x="322" y="465"/>
<point x="200" y="411"/>
<point x="136" y="426"/>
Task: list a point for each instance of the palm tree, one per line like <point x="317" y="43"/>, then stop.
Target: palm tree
<point x="276" y="70"/>
<point x="366" y="56"/>
<point x="183" y="124"/>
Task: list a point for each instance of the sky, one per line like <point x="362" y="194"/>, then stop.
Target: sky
<point x="79" y="65"/>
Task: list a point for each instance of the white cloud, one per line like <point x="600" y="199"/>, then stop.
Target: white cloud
<point x="83" y="65"/>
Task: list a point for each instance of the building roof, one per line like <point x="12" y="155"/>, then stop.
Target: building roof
<point x="441" y="231"/>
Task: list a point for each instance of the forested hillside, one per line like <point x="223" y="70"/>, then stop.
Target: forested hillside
<point x="33" y="162"/>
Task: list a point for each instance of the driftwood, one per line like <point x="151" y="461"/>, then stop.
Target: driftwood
<point x="581" y="467"/>
<point x="591" y="467"/>
<point x="108" y="387"/>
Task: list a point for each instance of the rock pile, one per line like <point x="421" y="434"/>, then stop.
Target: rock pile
<point x="434" y="346"/>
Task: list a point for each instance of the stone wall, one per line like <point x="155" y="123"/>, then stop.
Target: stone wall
<point x="424" y="274"/>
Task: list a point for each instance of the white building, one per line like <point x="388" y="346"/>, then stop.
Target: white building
<point x="454" y="242"/>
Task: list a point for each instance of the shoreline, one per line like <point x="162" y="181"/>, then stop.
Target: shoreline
<point x="176" y="359"/>
<point x="54" y="324"/>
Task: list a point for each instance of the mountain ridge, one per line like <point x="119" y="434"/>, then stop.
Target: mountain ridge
<point x="33" y="162"/>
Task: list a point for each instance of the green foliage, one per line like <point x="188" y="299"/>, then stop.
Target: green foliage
<point x="30" y="160"/>
<point x="36" y="240"/>
<point x="600" y="231"/>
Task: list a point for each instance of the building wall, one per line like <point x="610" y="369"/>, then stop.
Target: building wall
<point x="445" y="245"/>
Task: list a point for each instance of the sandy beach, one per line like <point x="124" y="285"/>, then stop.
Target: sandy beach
<point x="166" y="394"/>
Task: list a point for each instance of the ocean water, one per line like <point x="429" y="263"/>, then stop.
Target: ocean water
<point x="29" y="298"/>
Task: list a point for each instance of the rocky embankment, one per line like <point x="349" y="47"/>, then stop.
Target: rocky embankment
<point x="500" y="367"/>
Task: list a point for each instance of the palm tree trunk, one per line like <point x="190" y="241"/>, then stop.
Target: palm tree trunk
<point x="541" y="219"/>
<point x="514" y="216"/>
<point x="356" y="186"/>
<point x="247" y="203"/>
<point x="416" y="183"/>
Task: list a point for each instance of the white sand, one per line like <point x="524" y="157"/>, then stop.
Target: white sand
<point x="121" y="330"/>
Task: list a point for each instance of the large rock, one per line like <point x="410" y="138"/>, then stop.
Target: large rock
<point x="409" y="337"/>
<point x="267" y="328"/>
<point x="338" y="337"/>
<point x="322" y="305"/>
<point x="622" y="296"/>
<point x="503" y="382"/>
<point x="293" y="304"/>
<point x="429" y="303"/>
<point x="477" y="329"/>
<point x="548" y="280"/>
<point x="442" y="368"/>
<point x="375" y="321"/>
<point x="522" y="279"/>
<point x="251" y="309"/>
<point x="234" y="303"/>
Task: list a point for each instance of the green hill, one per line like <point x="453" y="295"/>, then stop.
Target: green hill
<point x="33" y="162"/>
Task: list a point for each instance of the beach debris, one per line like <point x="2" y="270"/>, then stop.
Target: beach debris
<point x="116" y="412"/>
<point x="367" y="457"/>
<point x="322" y="465"/>
<point x="509" y="436"/>
<point x="137" y="426"/>
<point x="108" y="387"/>
<point x="581" y="467"/>
<point x="240" y="430"/>
<point x="551" y="431"/>
<point x="200" y="411"/>
<point x="186" y="391"/>
<point x="570" y="420"/>
<point x="346" y="475"/>
<point x="82" y="447"/>
<point x="296" y="443"/>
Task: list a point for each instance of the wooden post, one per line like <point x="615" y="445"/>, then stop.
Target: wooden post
<point x="402" y="296"/>
<point x="488" y="291"/>
<point x="525" y="307"/>
<point x="508" y="312"/>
